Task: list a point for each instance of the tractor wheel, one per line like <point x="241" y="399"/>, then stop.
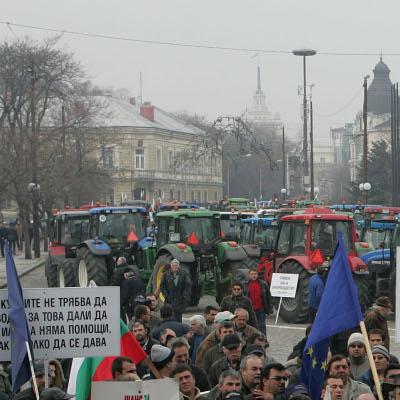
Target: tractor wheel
<point x="90" y="268"/>
<point x="51" y="274"/>
<point x="232" y="271"/>
<point x="362" y="283"/>
<point x="392" y="288"/>
<point x="296" y="310"/>
<point x="66" y="273"/>
<point x="157" y="274"/>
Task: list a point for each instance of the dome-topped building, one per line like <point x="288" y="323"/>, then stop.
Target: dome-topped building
<point x="379" y="90"/>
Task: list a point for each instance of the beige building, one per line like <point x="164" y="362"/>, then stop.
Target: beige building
<point x="142" y="151"/>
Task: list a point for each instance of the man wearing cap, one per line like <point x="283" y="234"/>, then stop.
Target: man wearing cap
<point x="55" y="394"/>
<point x="215" y="353"/>
<point x="213" y="338"/>
<point x="176" y="287"/>
<point x="161" y="357"/>
<point x="238" y="300"/>
<point x="232" y="348"/>
<point x="376" y="318"/>
<point x="250" y="370"/>
<point x="29" y="394"/>
<point x="381" y="357"/>
<point x="391" y="390"/>
<point x="359" y="363"/>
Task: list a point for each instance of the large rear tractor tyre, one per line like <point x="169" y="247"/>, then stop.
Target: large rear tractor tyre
<point x="66" y="273"/>
<point x="232" y="271"/>
<point x="51" y="273"/>
<point x="296" y="310"/>
<point x="90" y="268"/>
<point x="159" y="268"/>
<point x="362" y="283"/>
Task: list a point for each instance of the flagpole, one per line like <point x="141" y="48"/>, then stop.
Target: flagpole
<point x="371" y="361"/>
<point x="35" y="387"/>
<point x="152" y="367"/>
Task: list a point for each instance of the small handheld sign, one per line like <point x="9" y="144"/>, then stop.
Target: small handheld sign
<point x="283" y="285"/>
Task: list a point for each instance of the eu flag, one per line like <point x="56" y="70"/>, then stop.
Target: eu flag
<point x="21" y="372"/>
<point x="339" y="310"/>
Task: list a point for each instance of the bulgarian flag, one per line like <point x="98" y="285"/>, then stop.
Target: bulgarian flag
<point x="86" y="370"/>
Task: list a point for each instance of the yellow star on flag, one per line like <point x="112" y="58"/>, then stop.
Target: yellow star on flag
<point x="314" y="362"/>
<point x="323" y="365"/>
<point x="310" y="351"/>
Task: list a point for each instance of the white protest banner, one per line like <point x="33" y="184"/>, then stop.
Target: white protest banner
<point x="284" y="285"/>
<point x="156" y="389"/>
<point x="67" y="322"/>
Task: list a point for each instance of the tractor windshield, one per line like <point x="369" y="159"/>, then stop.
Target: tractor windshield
<point x="199" y="230"/>
<point x="121" y="227"/>
<point x="377" y="238"/>
<point x="324" y="235"/>
<point x="265" y="236"/>
<point x="75" y="230"/>
<point x="230" y="227"/>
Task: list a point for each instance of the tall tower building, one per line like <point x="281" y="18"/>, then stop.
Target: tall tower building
<point x="259" y="113"/>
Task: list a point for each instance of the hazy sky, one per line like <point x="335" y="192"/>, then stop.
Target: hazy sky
<point x="213" y="82"/>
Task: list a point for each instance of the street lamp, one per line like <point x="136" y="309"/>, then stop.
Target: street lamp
<point x="365" y="188"/>
<point x="365" y="137"/>
<point x="304" y="52"/>
<point x="34" y="190"/>
<point x="283" y="193"/>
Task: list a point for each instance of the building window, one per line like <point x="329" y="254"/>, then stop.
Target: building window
<point x="215" y="195"/>
<point x="171" y="194"/>
<point x="322" y="160"/>
<point x="107" y="157"/>
<point x="159" y="159"/>
<point x="139" y="159"/>
<point x="170" y="158"/>
<point x="193" y="196"/>
<point x="205" y="197"/>
<point x="199" y="196"/>
<point x="178" y="195"/>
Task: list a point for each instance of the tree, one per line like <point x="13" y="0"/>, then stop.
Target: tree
<point x="45" y="111"/>
<point x="379" y="175"/>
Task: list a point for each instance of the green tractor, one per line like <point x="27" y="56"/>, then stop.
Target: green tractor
<point x="195" y="239"/>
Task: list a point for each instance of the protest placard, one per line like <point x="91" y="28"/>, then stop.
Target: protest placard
<point x="67" y="322"/>
<point x="158" y="389"/>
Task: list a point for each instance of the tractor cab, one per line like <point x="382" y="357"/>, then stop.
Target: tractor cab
<point x="232" y="224"/>
<point x="308" y="240"/>
<point x="261" y="232"/>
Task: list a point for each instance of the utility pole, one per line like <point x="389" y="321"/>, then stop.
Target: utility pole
<point x="365" y="139"/>
<point x="283" y="159"/>
<point x="305" y="139"/>
<point x="311" y="151"/>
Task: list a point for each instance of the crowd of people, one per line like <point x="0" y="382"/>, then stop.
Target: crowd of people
<point x="223" y="352"/>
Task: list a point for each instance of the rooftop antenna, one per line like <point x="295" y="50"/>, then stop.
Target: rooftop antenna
<point x="140" y="100"/>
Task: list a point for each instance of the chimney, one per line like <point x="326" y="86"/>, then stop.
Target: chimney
<point x="132" y="100"/>
<point x="147" y="111"/>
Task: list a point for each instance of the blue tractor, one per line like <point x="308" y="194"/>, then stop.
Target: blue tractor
<point x="113" y="232"/>
<point x="378" y="235"/>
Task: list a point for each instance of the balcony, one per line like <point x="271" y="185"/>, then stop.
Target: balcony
<point x="165" y="176"/>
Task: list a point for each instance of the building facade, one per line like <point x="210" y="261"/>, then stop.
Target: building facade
<point x="142" y="153"/>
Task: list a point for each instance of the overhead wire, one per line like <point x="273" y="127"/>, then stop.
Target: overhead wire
<point x="184" y="44"/>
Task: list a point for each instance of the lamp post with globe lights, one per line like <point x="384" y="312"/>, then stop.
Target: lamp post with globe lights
<point x="365" y="188"/>
<point x="304" y="52"/>
<point x="283" y="193"/>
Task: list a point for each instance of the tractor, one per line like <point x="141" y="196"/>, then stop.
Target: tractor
<point x="308" y="240"/>
<point x="232" y="223"/>
<point x="258" y="239"/>
<point x="68" y="228"/>
<point x="374" y="250"/>
<point x="194" y="238"/>
<point x="113" y="232"/>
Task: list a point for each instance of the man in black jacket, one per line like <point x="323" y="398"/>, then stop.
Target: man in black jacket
<point x="176" y="288"/>
<point x="168" y="321"/>
<point x="238" y="300"/>
<point x="3" y="237"/>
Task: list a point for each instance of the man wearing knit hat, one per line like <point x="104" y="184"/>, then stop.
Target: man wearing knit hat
<point x="161" y="357"/>
<point x="381" y="358"/>
<point x="359" y="363"/>
<point x="376" y="318"/>
<point x="176" y="287"/>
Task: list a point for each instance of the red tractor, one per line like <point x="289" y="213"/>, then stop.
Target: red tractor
<point x="308" y="240"/>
